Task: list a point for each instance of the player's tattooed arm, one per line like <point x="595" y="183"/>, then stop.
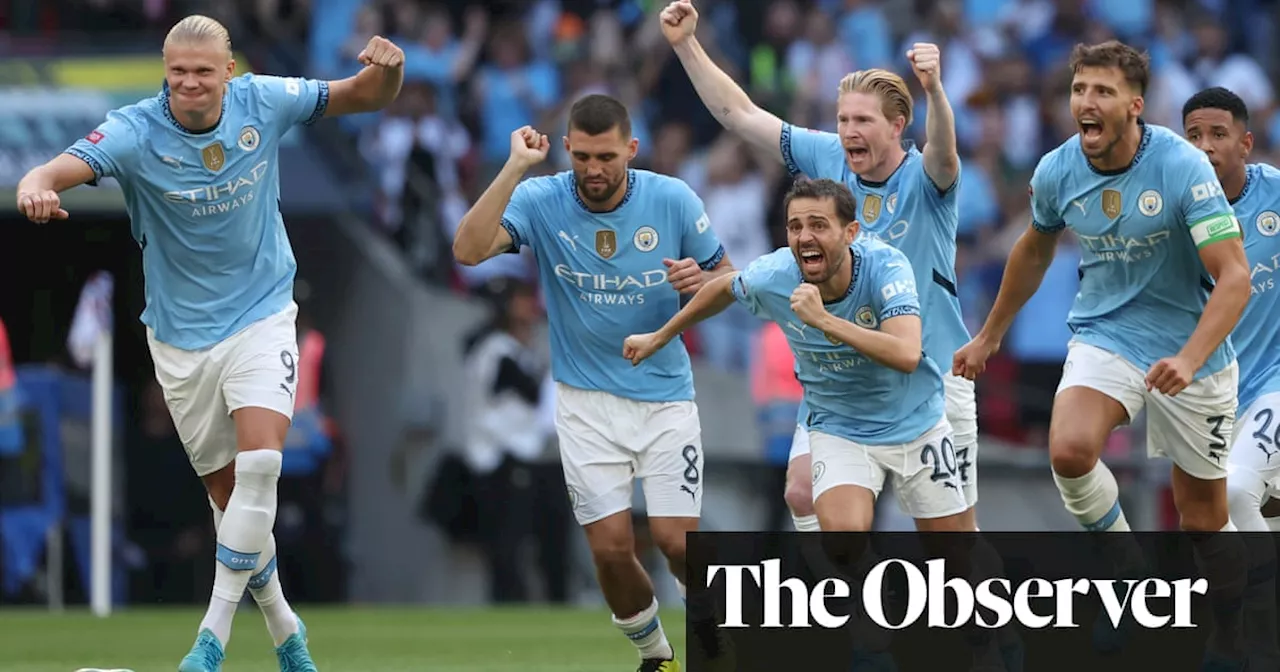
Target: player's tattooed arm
<point x="374" y="87"/>
<point x="711" y="300"/>
<point x="897" y="343"/>
<point x="1224" y="260"/>
<point x="941" y="157"/>
<point x="727" y="102"/>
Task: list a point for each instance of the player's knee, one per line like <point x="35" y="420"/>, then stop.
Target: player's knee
<point x="799" y="493"/>
<point x="670" y="542"/>
<point x="1072" y="454"/>
<point x="258" y="468"/>
<point x="613" y="552"/>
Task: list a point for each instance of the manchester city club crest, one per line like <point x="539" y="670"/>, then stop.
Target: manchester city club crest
<point x="249" y="139"/>
<point x="1150" y="203"/>
<point x="865" y="318"/>
<point x="646" y="239"/>
<point x="1268" y="223"/>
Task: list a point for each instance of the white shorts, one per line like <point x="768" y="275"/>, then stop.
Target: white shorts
<point x="606" y="442"/>
<point x="1193" y="429"/>
<point x="1254" y="445"/>
<point x="925" y="475"/>
<point x="962" y="413"/>
<point x="257" y="367"/>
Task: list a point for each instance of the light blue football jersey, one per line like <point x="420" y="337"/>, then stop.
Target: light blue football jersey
<point x="849" y="395"/>
<point x="1142" y="284"/>
<point x="1257" y="336"/>
<point x="204" y="207"/>
<point x="906" y="211"/>
<point x="603" y="277"/>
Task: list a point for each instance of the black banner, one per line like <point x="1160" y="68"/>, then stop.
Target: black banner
<point x="994" y="601"/>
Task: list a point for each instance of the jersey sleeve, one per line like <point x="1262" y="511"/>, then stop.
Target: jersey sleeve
<point x="1203" y="206"/>
<point x="813" y="153"/>
<point x="697" y="239"/>
<point x="751" y="284"/>
<point x="895" y="291"/>
<point x="294" y="100"/>
<point x="1045" y="216"/>
<point x="518" y="218"/>
<point x="111" y="148"/>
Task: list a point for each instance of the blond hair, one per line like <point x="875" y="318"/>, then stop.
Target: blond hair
<point x="197" y="29"/>
<point x="895" y="99"/>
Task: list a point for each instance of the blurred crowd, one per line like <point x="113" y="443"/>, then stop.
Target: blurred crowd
<point x="477" y="72"/>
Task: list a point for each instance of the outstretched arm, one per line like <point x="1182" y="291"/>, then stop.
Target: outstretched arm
<point x="941" y="158"/>
<point x="374" y="87"/>
<point x="727" y="102"/>
<point x="712" y="299"/>
<point x="1028" y="261"/>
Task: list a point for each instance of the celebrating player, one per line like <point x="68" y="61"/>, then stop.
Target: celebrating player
<point x="1217" y="121"/>
<point x="199" y="167"/>
<point x="908" y="200"/>
<point x="612" y="243"/>
<point x="851" y="314"/>
<point x="1150" y="330"/>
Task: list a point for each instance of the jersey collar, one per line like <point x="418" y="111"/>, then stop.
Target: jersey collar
<point x="1142" y="149"/>
<point x="1248" y="182"/>
<point x="168" y="113"/>
<point x="856" y="260"/>
<point x="573" y="189"/>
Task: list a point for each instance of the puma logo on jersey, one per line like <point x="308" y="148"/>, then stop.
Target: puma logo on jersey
<point x="573" y="242"/>
<point x="1079" y="203"/>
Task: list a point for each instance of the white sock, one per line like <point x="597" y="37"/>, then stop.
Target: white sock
<point x="243" y="534"/>
<point x="1094" y="499"/>
<point x="645" y="631"/>
<point x="265" y="587"/>
<point x="807" y="523"/>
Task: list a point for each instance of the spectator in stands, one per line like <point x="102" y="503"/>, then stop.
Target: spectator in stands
<point x="504" y="440"/>
<point x="511" y="90"/>
<point x="735" y="198"/>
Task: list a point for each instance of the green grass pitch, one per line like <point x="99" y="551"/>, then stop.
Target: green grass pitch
<point x="343" y="639"/>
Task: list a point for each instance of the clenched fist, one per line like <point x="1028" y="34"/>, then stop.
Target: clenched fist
<point x="41" y="206"/>
<point x="926" y="62"/>
<point x="381" y="52"/>
<point x="679" y="20"/>
<point x="528" y="147"/>
<point x="806" y="303"/>
<point x="639" y="347"/>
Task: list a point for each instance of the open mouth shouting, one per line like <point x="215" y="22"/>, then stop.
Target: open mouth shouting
<point x="1090" y="129"/>
<point x="812" y="261"/>
<point x="857" y="156"/>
